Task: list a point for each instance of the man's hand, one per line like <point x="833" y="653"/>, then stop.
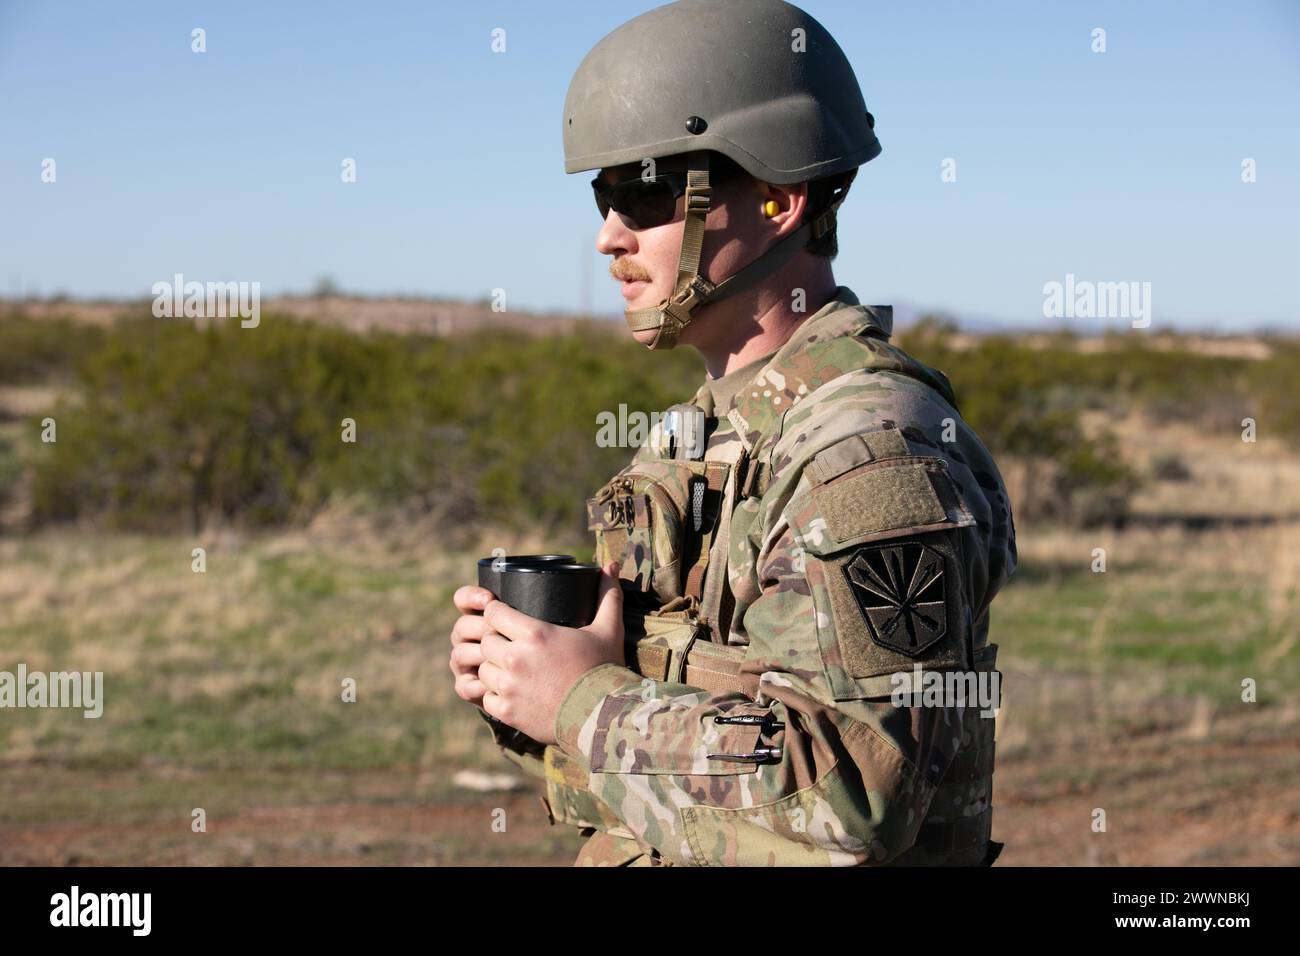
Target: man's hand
<point x="519" y="669"/>
<point x="468" y="630"/>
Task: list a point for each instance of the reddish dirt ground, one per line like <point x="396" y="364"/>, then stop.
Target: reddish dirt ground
<point x="1170" y="800"/>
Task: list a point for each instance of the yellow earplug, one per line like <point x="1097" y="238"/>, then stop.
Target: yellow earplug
<point x="770" y="208"/>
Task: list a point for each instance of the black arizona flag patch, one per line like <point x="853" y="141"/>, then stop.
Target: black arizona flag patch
<point x="901" y="590"/>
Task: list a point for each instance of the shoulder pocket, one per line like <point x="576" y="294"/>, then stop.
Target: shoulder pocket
<point x="885" y="570"/>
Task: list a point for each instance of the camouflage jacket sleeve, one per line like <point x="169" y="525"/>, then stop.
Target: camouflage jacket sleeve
<point x="821" y="561"/>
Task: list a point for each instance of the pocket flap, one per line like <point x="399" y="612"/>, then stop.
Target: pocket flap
<point x="879" y="500"/>
<point x="629" y="739"/>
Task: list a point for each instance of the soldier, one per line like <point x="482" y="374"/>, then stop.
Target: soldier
<point x="734" y="702"/>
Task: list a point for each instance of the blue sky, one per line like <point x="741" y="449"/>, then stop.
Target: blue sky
<point x="1121" y="166"/>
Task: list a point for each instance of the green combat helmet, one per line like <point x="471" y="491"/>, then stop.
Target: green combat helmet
<point x="759" y="81"/>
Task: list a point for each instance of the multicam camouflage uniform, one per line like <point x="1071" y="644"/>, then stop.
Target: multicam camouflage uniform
<point x="844" y="524"/>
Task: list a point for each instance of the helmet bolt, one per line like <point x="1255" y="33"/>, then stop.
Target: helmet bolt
<point x="695" y="125"/>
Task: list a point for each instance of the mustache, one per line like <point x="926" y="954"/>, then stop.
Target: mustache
<point x="627" y="272"/>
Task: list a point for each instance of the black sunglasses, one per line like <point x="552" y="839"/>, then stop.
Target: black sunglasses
<point x="644" y="202"/>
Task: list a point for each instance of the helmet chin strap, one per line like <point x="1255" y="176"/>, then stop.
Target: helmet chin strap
<point x="692" y="290"/>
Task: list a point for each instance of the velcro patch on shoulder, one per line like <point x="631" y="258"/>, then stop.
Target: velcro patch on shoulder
<point x="881" y="500"/>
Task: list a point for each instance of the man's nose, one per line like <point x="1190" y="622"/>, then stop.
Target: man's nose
<point x="614" y="236"/>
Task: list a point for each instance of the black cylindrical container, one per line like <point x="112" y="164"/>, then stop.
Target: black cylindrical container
<point x="489" y="568"/>
<point x="549" y="587"/>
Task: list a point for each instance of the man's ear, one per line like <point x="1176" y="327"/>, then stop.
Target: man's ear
<point x="791" y="201"/>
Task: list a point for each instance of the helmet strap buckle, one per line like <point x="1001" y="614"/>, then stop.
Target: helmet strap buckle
<point x="698" y="198"/>
<point x="688" y="298"/>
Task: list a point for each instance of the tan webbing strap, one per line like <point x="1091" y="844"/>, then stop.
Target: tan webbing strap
<point x="652" y="660"/>
<point x="716" y="668"/>
<point x="715" y="474"/>
<point x="715" y="608"/>
<point x="716" y="681"/>
<point x="753" y="483"/>
<point x="671" y="315"/>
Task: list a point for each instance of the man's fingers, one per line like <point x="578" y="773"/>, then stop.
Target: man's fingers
<point x="516" y="625"/>
<point x="491" y="677"/>
<point x="472" y="599"/>
<point x="494" y="648"/>
<point x="470" y="688"/>
<point x="609" y="609"/>
<point x="466" y="657"/>
<point x="468" y="627"/>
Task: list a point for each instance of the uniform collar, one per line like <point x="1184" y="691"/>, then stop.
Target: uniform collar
<point x="790" y="375"/>
<point x="843" y="314"/>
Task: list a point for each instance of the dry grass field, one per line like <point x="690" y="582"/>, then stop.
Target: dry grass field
<point x="222" y="691"/>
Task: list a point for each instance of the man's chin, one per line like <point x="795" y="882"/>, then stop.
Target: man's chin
<point x="646" y="336"/>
